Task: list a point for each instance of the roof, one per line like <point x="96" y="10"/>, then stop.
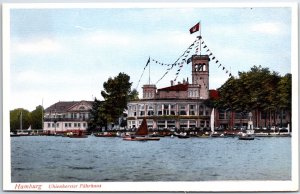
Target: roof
<point x="60" y="107"/>
<point x="179" y="87"/>
<point x="214" y="94"/>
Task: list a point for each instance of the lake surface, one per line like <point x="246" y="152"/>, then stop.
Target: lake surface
<point x="96" y="159"/>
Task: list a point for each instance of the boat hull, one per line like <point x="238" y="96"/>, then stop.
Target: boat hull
<point x="141" y="138"/>
<point x="77" y="136"/>
<point x="250" y="137"/>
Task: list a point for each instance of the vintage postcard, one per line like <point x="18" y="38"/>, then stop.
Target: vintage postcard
<point x="128" y="97"/>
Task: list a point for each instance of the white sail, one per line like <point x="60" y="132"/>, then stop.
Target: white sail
<point x="212" y="120"/>
<point x="29" y="129"/>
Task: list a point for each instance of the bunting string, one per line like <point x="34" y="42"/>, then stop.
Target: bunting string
<point x="213" y="58"/>
<point x="185" y="59"/>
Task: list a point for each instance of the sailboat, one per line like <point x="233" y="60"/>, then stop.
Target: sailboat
<point x="142" y="134"/>
<point x="212" y="121"/>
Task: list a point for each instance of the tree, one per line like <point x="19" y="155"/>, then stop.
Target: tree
<point x="36" y="118"/>
<point x="117" y="92"/>
<point x="19" y="118"/>
<point x="255" y="89"/>
<point x="97" y="120"/>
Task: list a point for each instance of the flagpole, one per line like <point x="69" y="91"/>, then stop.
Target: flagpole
<point x="149" y="72"/>
<point x="200" y="37"/>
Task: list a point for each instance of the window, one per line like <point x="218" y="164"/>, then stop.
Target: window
<point x="66" y="124"/>
<point x="57" y="124"/>
<point x="192" y="112"/>
<point x="182" y="112"/>
<point x="79" y="125"/>
<point x="221" y="115"/>
<point x="84" y="124"/>
<point x="52" y="125"/>
<point x="49" y="125"/>
<point x="70" y="124"/>
<point x="150" y="112"/>
<point x="75" y="124"/>
<point x="182" y="107"/>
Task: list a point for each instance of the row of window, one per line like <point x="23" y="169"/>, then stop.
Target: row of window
<point x="67" y="125"/>
<point x="170" y="123"/>
<point x="263" y="115"/>
<point x="70" y="115"/>
<point x="162" y="106"/>
<point x="167" y="112"/>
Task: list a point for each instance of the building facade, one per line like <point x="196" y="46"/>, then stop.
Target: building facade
<point x="178" y="106"/>
<point x="182" y="106"/>
<point x="67" y="116"/>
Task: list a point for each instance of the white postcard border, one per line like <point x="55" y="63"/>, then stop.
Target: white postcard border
<point x="226" y="186"/>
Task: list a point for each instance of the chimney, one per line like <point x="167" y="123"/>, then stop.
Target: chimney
<point x="183" y="81"/>
<point x="187" y="80"/>
<point x="172" y="83"/>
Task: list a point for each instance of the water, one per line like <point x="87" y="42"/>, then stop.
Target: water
<point x="96" y="159"/>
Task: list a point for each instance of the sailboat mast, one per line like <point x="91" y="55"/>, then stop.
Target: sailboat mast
<point x="43" y="114"/>
<point x="21" y="121"/>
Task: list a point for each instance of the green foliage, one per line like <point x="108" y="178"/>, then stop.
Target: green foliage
<point x="15" y="119"/>
<point x="257" y="89"/>
<point x="36" y="118"/>
<point x="117" y="92"/>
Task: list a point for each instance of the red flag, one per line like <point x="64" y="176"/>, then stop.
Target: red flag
<point x="195" y="28"/>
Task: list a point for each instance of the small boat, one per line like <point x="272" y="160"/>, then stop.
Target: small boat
<point x="105" y="134"/>
<point x="183" y="135"/>
<point x="14" y="135"/>
<point x="80" y="134"/>
<point x="142" y="134"/>
<point x="249" y="135"/>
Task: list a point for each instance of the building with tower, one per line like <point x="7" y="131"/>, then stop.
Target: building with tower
<point x="179" y="105"/>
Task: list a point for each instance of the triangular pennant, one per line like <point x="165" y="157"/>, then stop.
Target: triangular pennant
<point x="205" y="46"/>
<point x="220" y="65"/>
<point x="213" y="58"/>
<point x="217" y="61"/>
<point x="223" y="68"/>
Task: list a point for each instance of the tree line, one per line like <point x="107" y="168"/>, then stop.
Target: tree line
<point x="258" y="89"/>
<point x="33" y="118"/>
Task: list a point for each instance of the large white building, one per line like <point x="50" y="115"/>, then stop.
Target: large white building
<point x="67" y="116"/>
<point x="180" y="105"/>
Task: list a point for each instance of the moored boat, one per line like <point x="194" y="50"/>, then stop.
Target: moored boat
<point x="105" y="134"/>
<point x="142" y="134"/>
<point x="249" y="135"/>
<point x="80" y="134"/>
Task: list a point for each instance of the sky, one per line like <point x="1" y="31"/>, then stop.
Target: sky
<point x="67" y="54"/>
